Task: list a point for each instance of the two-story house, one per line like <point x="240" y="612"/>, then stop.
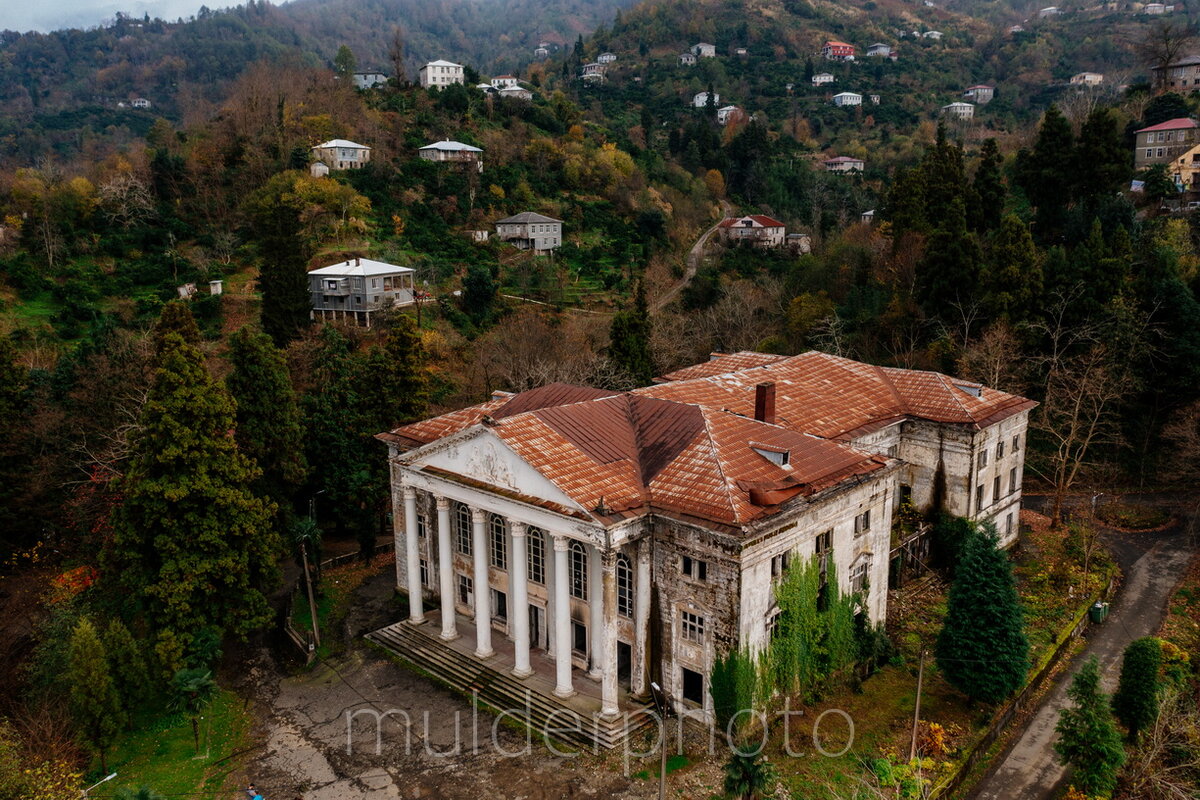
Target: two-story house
<point x="704" y="50"/>
<point x="440" y="73"/>
<point x="454" y="152"/>
<point x="1164" y="142"/>
<point x="847" y="99"/>
<point x="959" y="110"/>
<point x="838" y="51"/>
<point x="530" y="231"/>
<point x="880" y="50"/>
<point x="700" y="99"/>
<point x="369" y="80"/>
<point x="730" y="114"/>
<point x="606" y="58"/>
<point x="587" y="540"/>
<point x="844" y="164"/>
<point x="502" y="81"/>
<point x="980" y="94"/>
<point x="353" y="289"/>
<point x="757" y="229"/>
<point x="822" y="78"/>
<point x="342" y="154"/>
<point x="1179" y="75"/>
<point x="687" y="59"/>
<point x="1087" y="79"/>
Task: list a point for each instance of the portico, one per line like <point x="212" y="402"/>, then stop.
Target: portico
<point x="536" y="586"/>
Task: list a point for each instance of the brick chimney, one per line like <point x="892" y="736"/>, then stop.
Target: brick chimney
<point x="764" y="402"/>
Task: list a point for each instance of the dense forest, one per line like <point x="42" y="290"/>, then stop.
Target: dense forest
<point x="1008" y="250"/>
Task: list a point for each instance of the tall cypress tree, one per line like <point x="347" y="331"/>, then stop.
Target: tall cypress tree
<point x="950" y="272"/>
<point x="1012" y="273"/>
<point x="982" y="649"/>
<point x="1103" y="163"/>
<point x="394" y="376"/>
<point x="1088" y="739"/>
<point x="127" y="665"/>
<point x="1135" y="702"/>
<point x="282" y="278"/>
<point x="1047" y="172"/>
<point x="95" y="704"/>
<point x="269" y="426"/>
<point x="629" y="340"/>
<point x="945" y="179"/>
<point x="988" y="192"/>
<point x="192" y="544"/>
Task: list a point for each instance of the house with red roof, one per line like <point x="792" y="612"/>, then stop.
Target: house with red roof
<point x="1164" y="142"/>
<point x="565" y="543"/>
<point x="838" y="51"/>
<point x="757" y="229"/>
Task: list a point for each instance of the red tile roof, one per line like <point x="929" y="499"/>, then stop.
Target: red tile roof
<point x="1170" y="125"/>
<point x="690" y="447"/>
<point x="836" y="398"/>
<point x="766" y="222"/>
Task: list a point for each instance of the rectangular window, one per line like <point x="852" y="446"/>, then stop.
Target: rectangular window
<point x="862" y="523"/>
<point x="1158" y="152"/>
<point x="979" y="497"/>
<point x="424" y="572"/>
<point x="465" y="594"/>
<point x="1000" y="450"/>
<point x="982" y="459"/>
<point x="498" y="542"/>
<point x="773" y="624"/>
<point x="695" y="569"/>
<point x="1012" y="480"/>
<point x="821" y="548"/>
<point x="1008" y="523"/>
<point x="691" y="627"/>
<point x="858" y="575"/>
<point x="996" y="489"/>
<point x="536" y="545"/>
<point x="693" y="686"/>
<point x="779" y="564"/>
<point x="578" y="637"/>
<point x="462" y="529"/>
<point x="422" y="531"/>
<point x="1016" y="443"/>
<point x="1149" y="153"/>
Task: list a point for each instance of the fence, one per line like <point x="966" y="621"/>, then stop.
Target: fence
<point x="1005" y="716"/>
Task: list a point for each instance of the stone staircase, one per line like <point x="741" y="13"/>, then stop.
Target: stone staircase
<point x="498" y="689"/>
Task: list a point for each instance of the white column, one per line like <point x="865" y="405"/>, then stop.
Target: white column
<point x="641" y="620"/>
<point x="518" y="591"/>
<point x="412" y="556"/>
<point x="483" y="601"/>
<point x="551" y="601"/>
<point x="608" y="635"/>
<point x="595" y="614"/>
<point x="398" y="546"/>
<point x="562" y="620"/>
<point x="446" y="570"/>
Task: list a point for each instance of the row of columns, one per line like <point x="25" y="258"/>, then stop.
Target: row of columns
<point x="602" y="600"/>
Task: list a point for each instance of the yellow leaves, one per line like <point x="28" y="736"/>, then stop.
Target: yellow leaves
<point x="714" y="181"/>
<point x="397" y="225"/>
<point x="497" y="192"/>
<point x="575" y="133"/>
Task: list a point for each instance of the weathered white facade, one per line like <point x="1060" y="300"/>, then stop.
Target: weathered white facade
<point x="440" y="73"/>
<point x="630" y="537"/>
<point x="342" y="154"/>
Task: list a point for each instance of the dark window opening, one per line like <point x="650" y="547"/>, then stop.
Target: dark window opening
<point x="578" y="637"/>
<point x="693" y="687"/>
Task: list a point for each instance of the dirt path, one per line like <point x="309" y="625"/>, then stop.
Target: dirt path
<point x="694" y="258"/>
<point x="1030" y="770"/>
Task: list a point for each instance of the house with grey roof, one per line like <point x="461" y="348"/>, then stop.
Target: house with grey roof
<point x="447" y="150"/>
<point x="354" y="288"/>
<point x="530" y="231"/>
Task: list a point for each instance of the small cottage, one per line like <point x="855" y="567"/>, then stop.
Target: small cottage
<point x="704" y="50"/>
<point x="447" y="150"/>
<point x="700" y="100"/>
<point x="844" y="164"/>
<point x="822" y="78"/>
<point x="847" y="99"/>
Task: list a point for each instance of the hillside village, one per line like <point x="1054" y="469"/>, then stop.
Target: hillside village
<point x="633" y="379"/>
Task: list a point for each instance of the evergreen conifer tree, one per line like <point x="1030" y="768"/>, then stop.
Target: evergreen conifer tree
<point x="949" y="274"/>
<point x="95" y="704"/>
<point x="1088" y="739"/>
<point x="1046" y="174"/>
<point x="988" y="193"/>
<point x="982" y="649"/>
<point x="945" y="179"/>
<point x="629" y="340"/>
<point x="282" y="276"/>
<point x="127" y="665"/>
<point x="1012" y="273"/>
<point x="344" y="63"/>
<point x="1135" y="702"/>
<point x="269" y="426"/>
<point x="1103" y="162"/>
<point x="175" y="317"/>
<point x="905" y="205"/>
<point x="479" y="293"/>
<point x="191" y="544"/>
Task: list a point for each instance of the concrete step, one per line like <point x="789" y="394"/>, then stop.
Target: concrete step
<point x="499" y="689"/>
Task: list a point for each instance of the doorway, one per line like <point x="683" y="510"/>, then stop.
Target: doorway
<point x="537" y="628"/>
<point x="624" y="664"/>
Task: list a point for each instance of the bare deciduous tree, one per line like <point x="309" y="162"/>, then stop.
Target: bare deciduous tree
<point x="994" y="359"/>
<point x="1166" y="761"/>
<point x="1164" y="43"/>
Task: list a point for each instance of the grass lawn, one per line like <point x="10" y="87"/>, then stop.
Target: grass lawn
<point x="34" y="313"/>
<point x="160" y="754"/>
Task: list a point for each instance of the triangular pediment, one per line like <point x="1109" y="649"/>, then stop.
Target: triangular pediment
<point x="481" y="456"/>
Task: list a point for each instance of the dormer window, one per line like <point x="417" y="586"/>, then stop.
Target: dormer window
<point x="779" y="458"/>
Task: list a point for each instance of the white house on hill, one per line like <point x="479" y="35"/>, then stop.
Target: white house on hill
<point x="822" y="78"/>
<point x="530" y="231"/>
<point x="342" y="154"/>
<point x="847" y="99"/>
<point x="441" y="73"/>
<point x="369" y="80"/>
<point x="353" y="289"/>
<point x="447" y="150"/>
<point x="959" y="110"/>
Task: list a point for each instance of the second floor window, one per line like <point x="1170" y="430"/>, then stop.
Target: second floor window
<point x="1012" y="480"/>
<point x="695" y="569"/>
<point x="536" y="544"/>
<point x="862" y="523"/>
<point x="779" y="564"/>
<point x="691" y="627"/>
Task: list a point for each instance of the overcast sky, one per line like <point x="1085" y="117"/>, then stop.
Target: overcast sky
<point x="18" y="15"/>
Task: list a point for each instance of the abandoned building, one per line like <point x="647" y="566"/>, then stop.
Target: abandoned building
<point x="573" y="542"/>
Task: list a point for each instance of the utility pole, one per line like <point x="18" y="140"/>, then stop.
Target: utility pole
<point x="656" y="690"/>
<point x="912" y="750"/>
<point x="312" y="604"/>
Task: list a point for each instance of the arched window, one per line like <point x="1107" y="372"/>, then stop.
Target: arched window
<point x="535" y="541"/>
<point x="462" y="528"/>
<point x="579" y="571"/>
<point x="498" y="537"/>
<point x="624" y="586"/>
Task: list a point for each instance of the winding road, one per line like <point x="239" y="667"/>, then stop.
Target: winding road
<point x="1153" y="565"/>
<point x="694" y="258"/>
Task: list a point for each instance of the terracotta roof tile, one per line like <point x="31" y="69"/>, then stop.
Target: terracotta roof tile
<point x="719" y="363"/>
